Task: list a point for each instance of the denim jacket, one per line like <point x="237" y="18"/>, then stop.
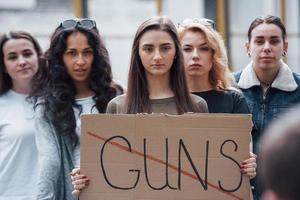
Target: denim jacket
<point x="282" y="94"/>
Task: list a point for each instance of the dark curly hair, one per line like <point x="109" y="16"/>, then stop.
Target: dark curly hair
<point x="59" y="95"/>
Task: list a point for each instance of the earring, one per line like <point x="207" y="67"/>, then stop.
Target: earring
<point x="249" y="55"/>
<point x="284" y="54"/>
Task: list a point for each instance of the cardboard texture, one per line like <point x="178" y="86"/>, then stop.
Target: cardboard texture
<point x="157" y="156"/>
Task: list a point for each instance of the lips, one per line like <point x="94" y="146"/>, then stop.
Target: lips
<point x="80" y="72"/>
<point x="266" y="58"/>
<point x="24" y="69"/>
<point x="157" y="65"/>
<point x="195" y="66"/>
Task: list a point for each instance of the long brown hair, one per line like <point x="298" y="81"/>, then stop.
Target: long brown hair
<point x="137" y="98"/>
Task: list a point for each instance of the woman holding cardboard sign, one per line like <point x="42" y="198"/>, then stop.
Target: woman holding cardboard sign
<point x="80" y="82"/>
<point x="151" y="80"/>
<point x="156" y="82"/>
<point x="206" y="68"/>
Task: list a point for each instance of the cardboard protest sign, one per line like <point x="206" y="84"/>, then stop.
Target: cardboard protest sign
<point x="156" y="156"/>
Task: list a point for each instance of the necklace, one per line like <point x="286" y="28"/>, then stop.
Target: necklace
<point x="263" y="84"/>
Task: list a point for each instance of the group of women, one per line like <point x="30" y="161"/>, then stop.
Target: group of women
<point x="172" y="70"/>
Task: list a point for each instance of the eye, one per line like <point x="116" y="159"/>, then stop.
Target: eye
<point x="27" y="54"/>
<point x="274" y="41"/>
<point x="204" y="49"/>
<point x="147" y="49"/>
<point x="71" y="53"/>
<point x="259" y="41"/>
<point x="165" y="48"/>
<point x="88" y="52"/>
<point x="187" y="49"/>
<point x="12" y="57"/>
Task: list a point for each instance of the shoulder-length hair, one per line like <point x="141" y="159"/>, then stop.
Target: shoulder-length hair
<point x="219" y="75"/>
<point x="59" y="98"/>
<point x="5" y="79"/>
<point x="137" y="98"/>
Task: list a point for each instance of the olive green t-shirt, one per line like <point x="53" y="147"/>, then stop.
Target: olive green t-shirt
<point x="165" y="105"/>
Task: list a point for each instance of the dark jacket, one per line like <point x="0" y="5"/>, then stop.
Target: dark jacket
<point x="282" y="94"/>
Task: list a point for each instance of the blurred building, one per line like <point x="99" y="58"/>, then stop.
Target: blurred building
<point x="233" y="17"/>
<point x="118" y="20"/>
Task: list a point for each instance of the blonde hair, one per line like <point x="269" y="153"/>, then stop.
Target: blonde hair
<point x="219" y="75"/>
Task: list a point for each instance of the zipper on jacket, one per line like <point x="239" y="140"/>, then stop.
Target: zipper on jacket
<point x="264" y="105"/>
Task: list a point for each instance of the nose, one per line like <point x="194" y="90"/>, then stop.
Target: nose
<point x="195" y="54"/>
<point x="22" y="61"/>
<point x="267" y="46"/>
<point x="80" y="60"/>
<point x="157" y="55"/>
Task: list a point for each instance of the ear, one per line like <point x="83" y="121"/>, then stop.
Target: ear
<point x="285" y="46"/>
<point x="247" y="47"/>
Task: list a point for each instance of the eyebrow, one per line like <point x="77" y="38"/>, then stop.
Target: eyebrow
<point x="166" y="44"/>
<point x="26" y="50"/>
<point x="151" y="45"/>
<point x="147" y="45"/>
<point x="13" y="52"/>
<point x="88" y="48"/>
<point x="203" y="44"/>
<point x="74" y="49"/>
<point x="262" y="37"/>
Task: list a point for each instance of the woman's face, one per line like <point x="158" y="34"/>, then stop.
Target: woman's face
<point x="266" y="46"/>
<point x="197" y="54"/>
<point x="21" y="62"/>
<point x="157" y="52"/>
<point x="78" y="58"/>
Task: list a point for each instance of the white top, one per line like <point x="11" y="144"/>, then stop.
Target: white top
<point x="88" y="107"/>
<point x="18" y="152"/>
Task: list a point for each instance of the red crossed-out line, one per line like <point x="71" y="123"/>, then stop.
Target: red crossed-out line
<point x="162" y="162"/>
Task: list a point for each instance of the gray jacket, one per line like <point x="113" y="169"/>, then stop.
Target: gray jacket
<point x="55" y="161"/>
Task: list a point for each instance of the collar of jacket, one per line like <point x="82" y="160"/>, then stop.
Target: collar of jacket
<point x="284" y="80"/>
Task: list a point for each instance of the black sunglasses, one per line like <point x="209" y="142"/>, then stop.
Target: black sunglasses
<point x="203" y="21"/>
<point x="82" y="23"/>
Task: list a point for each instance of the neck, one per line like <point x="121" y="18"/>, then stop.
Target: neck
<point x="266" y="77"/>
<point x="159" y="87"/>
<point x="199" y="83"/>
<point x="83" y="90"/>
<point x="22" y="88"/>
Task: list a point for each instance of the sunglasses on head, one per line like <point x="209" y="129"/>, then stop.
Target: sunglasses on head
<point x="82" y="23"/>
<point x="203" y="21"/>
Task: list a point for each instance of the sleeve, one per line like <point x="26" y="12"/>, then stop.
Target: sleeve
<point x="239" y="102"/>
<point x="116" y="105"/>
<point x="111" y="107"/>
<point x="201" y="105"/>
<point x="76" y="156"/>
<point x="48" y="157"/>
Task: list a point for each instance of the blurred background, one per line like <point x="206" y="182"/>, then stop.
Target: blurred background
<point x="118" y="20"/>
